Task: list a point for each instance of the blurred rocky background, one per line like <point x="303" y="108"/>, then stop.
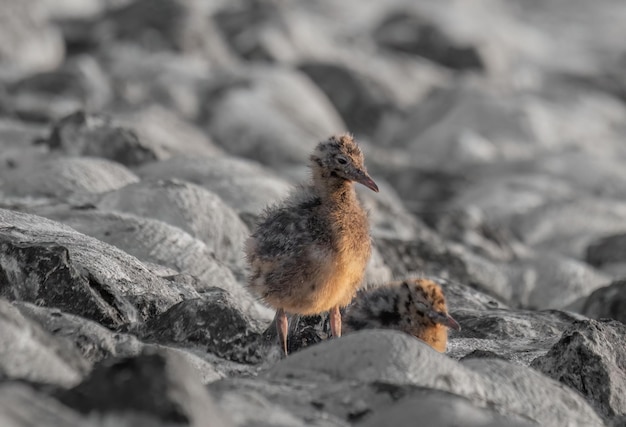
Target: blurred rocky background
<point x="139" y="140"/>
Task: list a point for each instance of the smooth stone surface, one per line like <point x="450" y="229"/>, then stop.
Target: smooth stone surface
<point x="244" y="185"/>
<point x="190" y="207"/>
<point x="64" y="176"/>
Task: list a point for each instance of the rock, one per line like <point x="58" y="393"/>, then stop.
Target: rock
<point x="82" y="134"/>
<point x="439" y="409"/>
<point x="28" y="42"/>
<point x="337" y="403"/>
<point x="78" y="274"/>
<point x="469" y="227"/>
<point x="243" y="185"/>
<point x="591" y="358"/>
<point x="517" y="336"/>
<point x="162" y="387"/>
<point x="175" y="25"/>
<point x="199" y="212"/>
<point x="396" y="358"/>
<point x="156" y="242"/>
<point x="216" y="322"/>
<point x="527" y="393"/>
<point x="22" y="406"/>
<point x="167" y="134"/>
<point x="607" y="253"/>
<point x="415" y="35"/>
<point x="389" y="217"/>
<point x="61" y="177"/>
<point x="564" y="227"/>
<point x="550" y="280"/>
<point x="141" y="79"/>
<point x="429" y="255"/>
<point x="142" y="137"/>
<point x="464" y="126"/>
<point x="273" y="115"/>
<point x="607" y="302"/>
<point x="364" y="103"/>
<point x="44" y="97"/>
<point x="93" y="341"/>
<point x="27" y="352"/>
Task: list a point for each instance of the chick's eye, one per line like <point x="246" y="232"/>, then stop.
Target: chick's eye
<point x="342" y="160"/>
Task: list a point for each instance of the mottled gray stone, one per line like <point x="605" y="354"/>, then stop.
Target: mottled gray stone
<point x="161" y="386"/>
<point x="28" y="352"/>
<point x="242" y="184"/>
<point x="78" y="274"/>
<point x="590" y="357"/>
<point x="607" y="302"/>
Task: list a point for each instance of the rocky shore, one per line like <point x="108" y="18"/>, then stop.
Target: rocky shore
<point x="140" y="140"/>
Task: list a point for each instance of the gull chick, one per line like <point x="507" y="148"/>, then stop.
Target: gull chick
<point x="415" y="306"/>
<point x="308" y="254"/>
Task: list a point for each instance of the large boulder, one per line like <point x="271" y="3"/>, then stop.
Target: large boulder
<point x="50" y="264"/>
<point x="397" y="358"/>
<point x="244" y="185"/>
<point x="199" y="212"/>
<point x="272" y="115"/>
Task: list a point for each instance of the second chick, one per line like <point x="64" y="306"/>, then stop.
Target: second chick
<point x="415" y="306"/>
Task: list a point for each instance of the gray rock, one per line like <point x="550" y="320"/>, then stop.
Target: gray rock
<point x="607" y="253"/>
<point x="591" y="358"/>
<point x="28" y="42"/>
<point x="92" y="340"/>
<point x="167" y="134"/>
<point x="429" y="255"/>
<point x="141" y="79"/>
<point x="322" y="402"/>
<point x="61" y="177"/>
<point x="199" y="212"/>
<point x="518" y="336"/>
<point x="363" y="102"/>
<point x="243" y="185"/>
<point x="441" y="410"/>
<point x="397" y="358"/>
<point x="78" y="274"/>
<point x="273" y="115"/>
<point x="408" y="33"/>
<point x="529" y="394"/>
<point x="564" y="227"/>
<point x="28" y="352"/>
<point x="79" y="83"/>
<point x="157" y="242"/>
<point x="607" y="302"/>
<point x="22" y="406"/>
<point x="216" y="322"/>
<point x="162" y="387"/>
<point x="550" y="280"/>
<point x="174" y="25"/>
<point x="82" y="134"/>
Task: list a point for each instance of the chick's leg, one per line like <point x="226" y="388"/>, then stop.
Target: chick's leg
<point x="282" y="326"/>
<point x="335" y="322"/>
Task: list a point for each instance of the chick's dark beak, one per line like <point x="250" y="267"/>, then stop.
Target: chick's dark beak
<point x="444" y="319"/>
<point x="366" y="180"/>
